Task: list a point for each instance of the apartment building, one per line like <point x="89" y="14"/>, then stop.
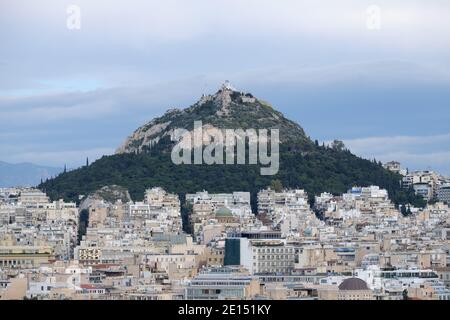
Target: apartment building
<point x="226" y="283"/>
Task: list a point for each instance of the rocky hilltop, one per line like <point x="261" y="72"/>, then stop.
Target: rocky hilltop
<point x="144" y="159"/>
<point x="226" y="109"/>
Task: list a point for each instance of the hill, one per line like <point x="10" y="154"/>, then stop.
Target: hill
<point x="144" y="159"/>
<point x="24" y="174"/>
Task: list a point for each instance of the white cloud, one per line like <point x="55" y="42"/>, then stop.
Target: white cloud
<point x="112" y="102"/>
<point x="123" y="42"/>
<point x="179" y="20"/>
<point x="391" y="144"/>
<point x="415" y="152"/>
<point x="387" y="72"/>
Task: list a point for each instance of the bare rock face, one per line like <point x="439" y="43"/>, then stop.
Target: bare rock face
<point x="226" y="109"/>
<point x="223" y="98"/>
<point x="108" y="194"/>
<point x="144" y="136"/>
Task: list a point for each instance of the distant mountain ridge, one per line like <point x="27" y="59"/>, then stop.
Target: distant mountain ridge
<point x="25" y="174"/>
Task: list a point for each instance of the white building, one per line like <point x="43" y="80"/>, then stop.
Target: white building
<point x="443" y="193"/>
<point x="260" y="253"/>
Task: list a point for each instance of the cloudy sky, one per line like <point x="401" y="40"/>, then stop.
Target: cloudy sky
<point x="380" y="82"/>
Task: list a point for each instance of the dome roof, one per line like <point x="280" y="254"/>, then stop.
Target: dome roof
<point x="224" y="212"/>
<point x="353" y="284"/>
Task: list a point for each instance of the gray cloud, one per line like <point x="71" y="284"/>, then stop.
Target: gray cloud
<point x="415" y="152"/>
<point x="67" y="93"/>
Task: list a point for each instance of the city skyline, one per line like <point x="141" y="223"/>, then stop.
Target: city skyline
<point x="224" y="158"/>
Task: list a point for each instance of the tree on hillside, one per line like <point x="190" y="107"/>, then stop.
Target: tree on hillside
<point x="276" y="185"/>
<point x="338" y="145"/>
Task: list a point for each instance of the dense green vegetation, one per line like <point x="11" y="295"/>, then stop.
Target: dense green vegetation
<point x="324" y="169"/>
<point x="303" y="163"/>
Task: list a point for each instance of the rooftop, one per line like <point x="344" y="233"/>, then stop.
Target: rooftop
<point x="353" y="284"/>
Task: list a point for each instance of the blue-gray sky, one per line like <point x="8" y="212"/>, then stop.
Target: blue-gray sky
<point x="67" y="94"/>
